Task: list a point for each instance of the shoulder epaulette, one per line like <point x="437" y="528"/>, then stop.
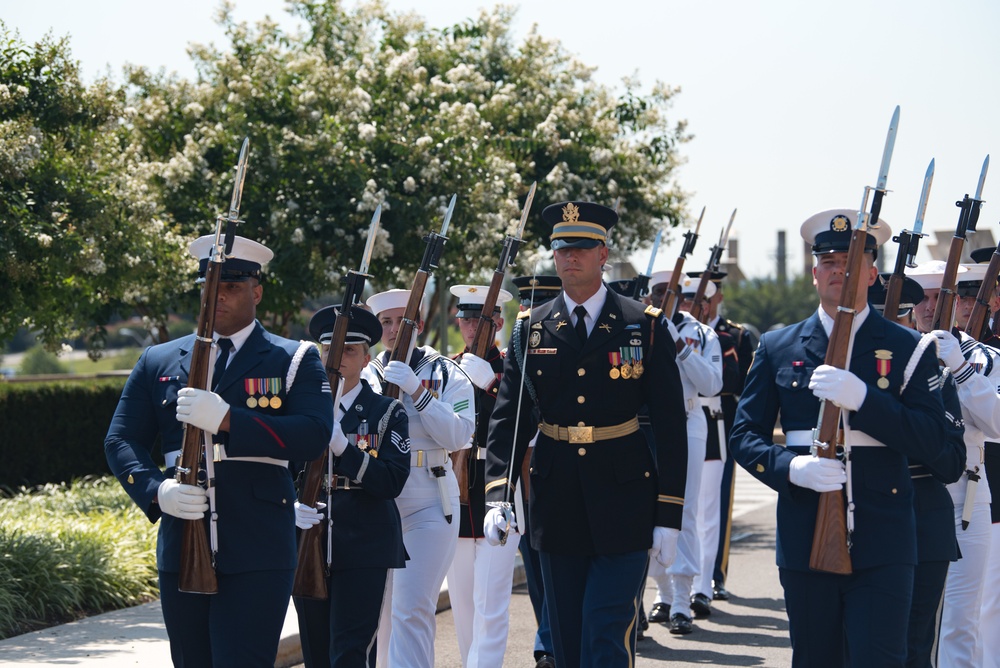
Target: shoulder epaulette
<point x="524" y="314"/>
<point x="653" y="311"/>
<point x="734" y="325"/>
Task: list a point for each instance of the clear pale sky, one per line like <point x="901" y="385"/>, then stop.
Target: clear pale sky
<point x="789" y="101"/>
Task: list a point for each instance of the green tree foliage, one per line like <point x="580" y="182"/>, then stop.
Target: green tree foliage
<point x="79" y="235"/>
<point x="766" y="302"/>
<point x="39" y="361"/>
<point x="365" y="106"/>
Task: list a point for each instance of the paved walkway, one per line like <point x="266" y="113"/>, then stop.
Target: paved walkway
<point x="749" y="630"/>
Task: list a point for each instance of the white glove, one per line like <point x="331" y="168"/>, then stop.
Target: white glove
<point x="817" y="473"/>
<point x="338" y="441"/>
<point x="402" y="376"/>
<point x="307" y="517"/>
<point x="664" y="545"/>
<point x="201" y="408"/>
<point x="839" y="386"/>
<point x="188" y="502"/>
<point x="495" y="525"/>
<point x="676" y="336"/>
<point x="949" y="350"/>
<point x="480" y="371"/>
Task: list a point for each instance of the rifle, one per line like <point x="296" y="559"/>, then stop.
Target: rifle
<point x="312" y="570"/>
<point x="944" y="312"/>
<point x="698" y="310"/>
<point x="671" y="298"/>
<point x="977" y="319"/>
<point x="906" y="255"/>
<point x="485" y="334"/>
<point x="197" y="567"/>
<point x="411" y="314"/>
<point x="831" y="539"/>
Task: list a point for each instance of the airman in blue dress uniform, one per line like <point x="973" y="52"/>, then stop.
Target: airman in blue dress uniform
<point x="891" y="409"/>
<point x="271" y="404"/>
<point x="589" y="360"/>
<point x="371" y="459"/>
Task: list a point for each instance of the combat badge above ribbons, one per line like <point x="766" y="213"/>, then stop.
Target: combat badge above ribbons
<point x="883" y="363"/>
<point x="534" y="339"/>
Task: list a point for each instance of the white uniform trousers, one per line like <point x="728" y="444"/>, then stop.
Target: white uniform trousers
<point x="673" y="584"/>
<point x="709" y="518"/>
<point x="963" y="592"/>
<point x="989" y="618"/>
<point x="406" y="635"/>
<point x="479" y="584"/>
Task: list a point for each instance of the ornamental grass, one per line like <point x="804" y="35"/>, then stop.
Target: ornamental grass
<point x="72" y="550"/>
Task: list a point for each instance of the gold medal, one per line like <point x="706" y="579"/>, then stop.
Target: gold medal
<point x="373" y="453"/>
<point x="638" y="370"/>
<point x="615" y="373"/>
<point x="275" y="403"/>
<point x="626" y="370"/>
<point x="262" y="402"/>
<point x="363" y="443"/>
<point x="883" y="383"/>
<point x="251" y="402"/>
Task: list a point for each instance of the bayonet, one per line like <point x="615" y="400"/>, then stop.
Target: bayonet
<point x="982" y="177"/>
<point x="447" y="216"/>
<point x="524" y="212"/>
<point x="652" y="255"/>
<point x="370" y="243"/>
<point x="883" y="173"/>
<point x="724" y="239"/>
<point x="918" y="223"/>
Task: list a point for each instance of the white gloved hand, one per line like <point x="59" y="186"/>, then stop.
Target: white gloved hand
<point x="201" y="408"/>
<point x="306" y="517"/>
<point x="839" y="386"/>
<point x="676" y="336"/>
<point x="949" y="350"/>
<point x="495" y="525"/>
<point x="480" y="371"/>
<point x="402" y="376"/>
<point x="664" y="545"/>
<point x="188" y="502"/>
<point x="338" y="441"/>
<point x="817" y="473"/>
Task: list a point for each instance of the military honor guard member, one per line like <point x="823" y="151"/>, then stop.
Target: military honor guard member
<point x="440" y="405"/>
<point x="481" y="575"/>
<point x="699" y="357"/>
<point x="270" y="404"/>
<point x="370" y="452"/>
<point x="977" y="371"/>
<point x="891" y="409"/>
<point x="739" y="342"/>
<point x="588" y="360"/>
<point x="937" y="546"/>
<point x="535" y="291"/>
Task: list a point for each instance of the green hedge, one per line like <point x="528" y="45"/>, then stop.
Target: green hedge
<point x="54" y="431"/>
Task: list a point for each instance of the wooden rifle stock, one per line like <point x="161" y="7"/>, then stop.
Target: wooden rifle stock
<point x="944" y="312"/>
<point x="671" y="298"/>
<point x="411" y="316"/>
<point x="894" y="288"/>
<point x="987" y="291"/>
<point x="698" y="310"/>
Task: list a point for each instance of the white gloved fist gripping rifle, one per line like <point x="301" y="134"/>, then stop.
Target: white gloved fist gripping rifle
<point x="479" y="371"/>
<point x="841" y="387"/>
<point x="402" y="376"/>
<point x="201" y="408"/>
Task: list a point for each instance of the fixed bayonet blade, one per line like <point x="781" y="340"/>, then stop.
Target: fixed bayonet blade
<point x="618" y="201"/>
<point x="241" y="174"/>
<point x="697" y="227"/>
<point x="447" y="215"/>
<point x="724" y="239"/>
<point x="370" y="244"/>
<point x="890" y="143"/>
<point x="925" y="191"/>
<point x="982" y="178"/>
<point x="652" y="256"/>
<point x="525" y="210"/>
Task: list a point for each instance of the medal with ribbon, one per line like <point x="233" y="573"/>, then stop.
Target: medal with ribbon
<point x="883" y="363"/>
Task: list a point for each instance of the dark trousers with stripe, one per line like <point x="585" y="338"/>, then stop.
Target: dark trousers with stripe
<point x="928" y="593"/>
<point x="240" y="626"/>
<point x="341" y="631"/>
<point x="592" y="607"/>
<point x="536" y="592"/>
<point x="856" y="620"/>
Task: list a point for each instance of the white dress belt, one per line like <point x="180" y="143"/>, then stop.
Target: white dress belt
<point x="855" y="438"/>
<point x="220" y="450"/>
<point x="711" y="403"/>
<point x="428" y="458"/>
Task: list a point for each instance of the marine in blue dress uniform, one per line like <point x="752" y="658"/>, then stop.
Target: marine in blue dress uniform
<point x="589" y="360"/>
<point x="937" y="546"/>
<point x="535" y="291"/>
<point x="371" y="460"/>
<point x="892" y="409"/>
<point x="271" y="404"/>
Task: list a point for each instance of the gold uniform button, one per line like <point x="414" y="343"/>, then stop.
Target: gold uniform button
<point x="284" y="502"/>
<point x="581" y="451"/>
<point x="581" y="399"/>
<point x="894" y="490"/>
<point x="646" y="474"/>
<point x="581" y="423"/>
<point x="795" y="383"/>
<point x="581" y="372"/>
<point x="131" y="480"/>
<point x="539" y="372"/>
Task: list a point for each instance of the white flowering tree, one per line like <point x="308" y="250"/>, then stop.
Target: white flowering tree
<point x="365" y="106"/>
<point x="81" y="237"/>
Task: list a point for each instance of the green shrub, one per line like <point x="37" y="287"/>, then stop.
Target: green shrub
<point x="39" y="361"/>
<point x="72" y="550"/>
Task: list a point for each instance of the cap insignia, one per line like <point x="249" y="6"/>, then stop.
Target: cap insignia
<point x="571" y="213"/>
<point x="840" y="224"/>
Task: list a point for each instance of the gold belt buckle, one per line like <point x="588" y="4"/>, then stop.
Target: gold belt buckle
<point x="581" y="434"/>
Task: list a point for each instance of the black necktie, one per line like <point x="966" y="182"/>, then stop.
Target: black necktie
<point x="225" y="345"/>
<point x="581" y="323"/>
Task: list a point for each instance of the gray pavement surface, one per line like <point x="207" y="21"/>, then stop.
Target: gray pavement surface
<point x="749" y="630"/>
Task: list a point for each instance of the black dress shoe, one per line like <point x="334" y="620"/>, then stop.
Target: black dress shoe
<point x="701" y="606"/>
<point x="680" y="624"/>
<point x="546" y="661"/>
<point x="719" y="592"/>
<point x="659" y="613"/>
